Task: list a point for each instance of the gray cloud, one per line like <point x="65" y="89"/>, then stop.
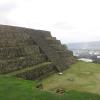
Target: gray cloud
<point x="5" y="10"/>
<point x="7" y="7"/>
<point x="63" y="26"/>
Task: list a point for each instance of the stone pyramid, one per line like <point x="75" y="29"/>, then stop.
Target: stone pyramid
<point x="31" y="54"/>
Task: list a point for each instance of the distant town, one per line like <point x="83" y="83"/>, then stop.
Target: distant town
<point x="93" y="55"/>
<point x="89" y="52"/>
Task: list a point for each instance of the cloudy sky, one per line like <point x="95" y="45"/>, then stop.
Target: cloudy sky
<point x="68" y="20"/>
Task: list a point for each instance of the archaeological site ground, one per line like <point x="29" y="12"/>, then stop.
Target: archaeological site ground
<point x="36" y="66"/>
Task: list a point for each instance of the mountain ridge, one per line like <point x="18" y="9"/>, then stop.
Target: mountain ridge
<point x="84" y="45"/>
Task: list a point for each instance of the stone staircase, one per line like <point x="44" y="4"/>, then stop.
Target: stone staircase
<point x="54" y="57"/>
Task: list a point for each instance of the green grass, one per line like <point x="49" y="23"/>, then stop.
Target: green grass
<point x="81" y="76"/>
<point x="17" y="89"/>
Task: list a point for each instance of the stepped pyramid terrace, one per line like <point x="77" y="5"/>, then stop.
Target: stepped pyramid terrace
<point x="31" y="54"/>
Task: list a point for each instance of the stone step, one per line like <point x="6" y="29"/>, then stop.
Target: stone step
<point x="28" y="69"/>
<point x="10" y="65"/>
<point x="11" y="52"/>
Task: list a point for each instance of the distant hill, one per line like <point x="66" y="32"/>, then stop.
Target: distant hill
<point x="84" y="45"/>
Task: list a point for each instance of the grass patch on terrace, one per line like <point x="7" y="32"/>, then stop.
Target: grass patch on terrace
<point x="27" y="69"/>
<point x="81" y="76"/>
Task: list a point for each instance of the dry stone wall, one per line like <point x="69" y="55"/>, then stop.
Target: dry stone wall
<point x="37" y="73"/>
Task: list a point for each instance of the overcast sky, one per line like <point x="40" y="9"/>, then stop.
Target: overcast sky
<point x="68" y="20"/>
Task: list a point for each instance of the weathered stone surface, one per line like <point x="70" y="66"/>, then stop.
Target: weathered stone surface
<point x="38" y="72"/>
<point x="23" y="47"/>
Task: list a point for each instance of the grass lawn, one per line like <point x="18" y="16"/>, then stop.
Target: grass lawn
<point x="17" y="89"/>
<point x="81" y="76"/>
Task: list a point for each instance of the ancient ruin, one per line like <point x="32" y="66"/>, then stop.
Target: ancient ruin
<point x="31" y="54"/>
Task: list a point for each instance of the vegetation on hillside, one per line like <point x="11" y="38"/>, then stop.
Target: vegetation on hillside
<point x="81" y="76"/>
<point x="18" y="89"/>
